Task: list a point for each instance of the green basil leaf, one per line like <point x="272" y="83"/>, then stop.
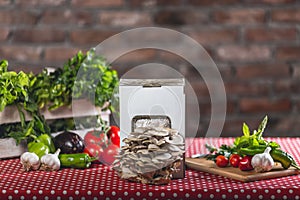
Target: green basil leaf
<point x="246" y="130"/>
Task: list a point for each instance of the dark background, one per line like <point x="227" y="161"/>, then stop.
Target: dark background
<point x="255" y="44"/>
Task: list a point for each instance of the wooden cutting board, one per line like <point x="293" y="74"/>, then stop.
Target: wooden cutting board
<point x="209" y="166"/>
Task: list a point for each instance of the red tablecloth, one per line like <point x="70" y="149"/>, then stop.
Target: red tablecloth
<point x="100" y="182"/>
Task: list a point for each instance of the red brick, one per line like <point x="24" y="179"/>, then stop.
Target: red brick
<point x="168" y="2"/>
<point x="97" y="3"/>
<point x="225" y="70"/>
<point x="4" y="34"/>
<point x="145" y="55"/>
<point x="178" y="63"/>
<point x="38" y="35"/>
<point x="243" y="53"/>
<point x="59" y="53"/>
<point x="283" y="86"/>
<point x="246" y="88"/>
<point x="233" y="127"/>
<point x="212" y="2"/>
<point x="288" y="53"/>
<point x="296" y="70"/>
<point x="269" y="2"/>
<point x="142" y="3"/>
<point x="205" y="107"/>
<point x="271" y="34"/>
<point x="179" y="17"/>
<point x="258" y="105"/>
<point x="298" y="108"/>
<point x="40" y="2"/>
<point x="90" y="36"/>
<point x="263" y="71"/>
<point x="5" y="2"/>
<point x="20" y="53"/>
<point x="288" y="126"/>
<point x="18" y="17"/>
<point x="277" y="1"/>
<point x="211" y="36"/>
<point x="286" y="15"/>
<point x="240" y="16"/>
<point x="153" y="3"/>
<point x="181" y="64"/>
<point x="294" y="86"/>
<point x="124" y="18"/>
<point x="172" y="38"/>
<point x="200" y="89"/>
<point x="67" y="17"/>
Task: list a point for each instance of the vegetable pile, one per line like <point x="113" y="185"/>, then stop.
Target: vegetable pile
<point x="83" y="76"/>
<point x="251" y="151"/>
<point x="68" y="149"/>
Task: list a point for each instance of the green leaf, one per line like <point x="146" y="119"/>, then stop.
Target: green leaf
<point x="3" y="66"/>
<point x="246" y="130"/>
<point x="236" y="141"/>
<point x="274" y="145"/>
<point x="254" y="142"/>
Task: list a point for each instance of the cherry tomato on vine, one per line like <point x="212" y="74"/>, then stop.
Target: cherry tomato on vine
<point x="93" y="150"/>
<point x="234" y="160"/>
<point x="221" y="161"/>
<point x="96" y="137"/>
<point x="114" y="135"/>
<point x="245" y="163"/>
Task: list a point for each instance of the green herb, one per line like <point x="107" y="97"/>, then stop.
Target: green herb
<point x="252" y="144"/>
<point x="255" y="139"/>
<point x="247" y="144"/>
<point x="83" y="76"/>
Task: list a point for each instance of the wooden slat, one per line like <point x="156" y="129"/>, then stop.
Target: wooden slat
<point x="80" y="108"/>
<point x="9" y="149"/>
<point x="209" y="166"/>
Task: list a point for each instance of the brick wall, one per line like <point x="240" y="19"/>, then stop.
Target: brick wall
<point x="255" y="44"/>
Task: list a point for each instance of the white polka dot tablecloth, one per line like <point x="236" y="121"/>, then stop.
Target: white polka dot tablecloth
<point x="101" y="182"/>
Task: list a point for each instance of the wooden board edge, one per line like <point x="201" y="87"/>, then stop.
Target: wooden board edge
<point x="191" y="163"/>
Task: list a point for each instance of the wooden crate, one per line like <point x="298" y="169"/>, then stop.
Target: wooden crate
<point x="9" y="148"/>
<point x="79" y="108"/>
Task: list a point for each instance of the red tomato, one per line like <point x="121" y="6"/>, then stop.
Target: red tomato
<point x="109" y="153"/>
<point x="221" y="161"/>
<point x="234" y="160"/>
<point x="114" y="135"/>
<point x="95" y="137"/>
<point x="245" y="163"/>
<point x="93" y="150"/>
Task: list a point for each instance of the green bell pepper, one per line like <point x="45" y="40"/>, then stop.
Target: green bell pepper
<point x="38" y="148"/>
<point x="46" y="139"/>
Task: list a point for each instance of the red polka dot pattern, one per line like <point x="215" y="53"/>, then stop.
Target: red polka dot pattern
<point x="100" y="182"/>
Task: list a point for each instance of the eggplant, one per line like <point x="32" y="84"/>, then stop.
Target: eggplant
<point x="69" y="142"/>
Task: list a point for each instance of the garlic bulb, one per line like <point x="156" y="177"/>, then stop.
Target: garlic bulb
<point x="263" y="162"/>
<point x="30" y="161"/>
<point x="50" y="162"/>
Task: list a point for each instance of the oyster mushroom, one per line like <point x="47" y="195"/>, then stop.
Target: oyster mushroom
<point x="175" y="139"/>
<point x="150" y="155"/>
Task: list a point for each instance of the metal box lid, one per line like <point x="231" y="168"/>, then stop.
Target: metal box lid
<point x="152" y="82"/>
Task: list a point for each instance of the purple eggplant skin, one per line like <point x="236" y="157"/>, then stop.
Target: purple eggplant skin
<point x="69" y="142"/>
